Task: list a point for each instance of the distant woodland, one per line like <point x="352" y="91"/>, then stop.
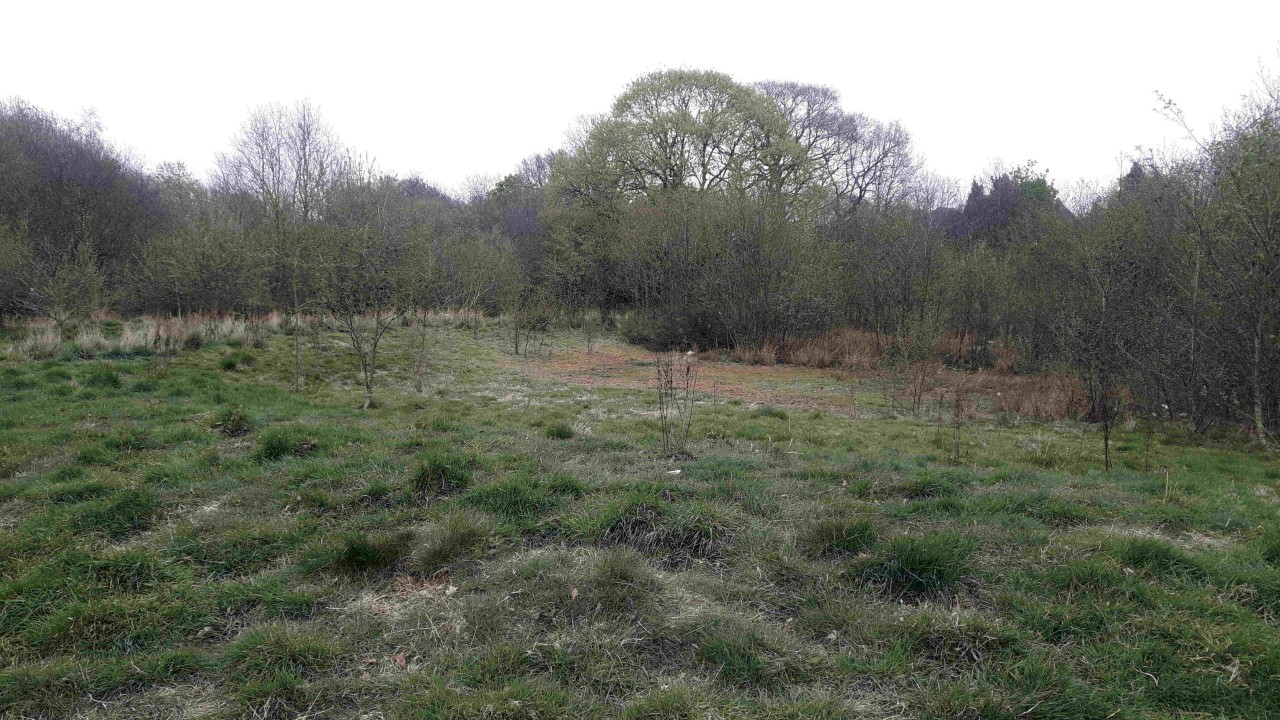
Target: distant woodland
<point x="697" y="211"/>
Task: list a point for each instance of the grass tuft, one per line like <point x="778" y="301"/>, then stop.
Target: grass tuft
<point x="441" y="472"/>
<point x="1160" y="559"/>
<point x="926" y="563"/>
<point x="455" y="538"/>
<point x="1269" y="543"/>
<point x="365" y="552"/>
<point x="276" y="661"/>
<point x="742" y="656"/>
<point x="232" y="421"/>
<point x="103" y="376"/>
<point x="521" y="498"/>
<point x="836" y="535"/>
<point x="285" y="441"/>
<point x="559" y="431"/>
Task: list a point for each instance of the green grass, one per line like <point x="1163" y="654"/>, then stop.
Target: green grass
<point x="184" y="535"/>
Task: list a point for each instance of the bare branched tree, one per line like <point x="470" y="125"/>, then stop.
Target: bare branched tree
<point x="284" y="162"/>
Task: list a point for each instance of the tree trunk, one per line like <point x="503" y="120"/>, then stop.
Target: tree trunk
<point x="297" y="329"/>
<point x="297" y="353"/>
<point x="1259" y="415"/>
<point x="368" y="376"/>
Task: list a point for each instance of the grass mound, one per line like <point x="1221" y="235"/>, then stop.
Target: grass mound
<point x="441" y="472"/>
<point x="675" y="530"/>
<point x="835" y="536"/>
<point x="559" y="431"/>
<point x="286" y="441"/>
<point x="925" y="563"/>
<point x="742" y="656"/>
<point x="1269" y="544"/>
<point x="1160" y="559"/>
<point x="232" y="421"/>
<point x="276" y="661"/>
<point x="363" y="552"/>
<point x="520" y="499"/>
<point x="457" y="537"/>
<point x="614" y="585"/>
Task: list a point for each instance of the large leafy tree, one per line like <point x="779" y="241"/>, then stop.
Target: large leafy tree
<point x="648" y="205"/>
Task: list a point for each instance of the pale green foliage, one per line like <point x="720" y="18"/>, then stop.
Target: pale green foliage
<point x="203" y="268"/>
<point x="66" y="288"/>
<point x="476" y="269"/>
<point x="15" y="255"/>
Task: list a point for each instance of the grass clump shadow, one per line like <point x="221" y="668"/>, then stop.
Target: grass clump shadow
<point x="1160" y="559"/>
<point x="362" y="552"/>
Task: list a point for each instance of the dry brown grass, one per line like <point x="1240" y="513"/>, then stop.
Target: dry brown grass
<point x="847" y="348"/>
<point x="782" y="382"/>
<point x="765" y="355"/>
<point x="850" y="348"/>
<point x="40" y="342"/>
<point x="1052" y="396"/>
<point x="1004" y="357"/>
<point x="957" y="345"/>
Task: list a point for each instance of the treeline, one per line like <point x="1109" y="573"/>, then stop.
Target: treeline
<point x="696" y="211"/>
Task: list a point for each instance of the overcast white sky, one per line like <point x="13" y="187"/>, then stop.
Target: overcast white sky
<point x="464" y="89"/>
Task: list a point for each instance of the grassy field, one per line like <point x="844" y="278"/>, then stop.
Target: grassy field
<point x="182" y="537"/>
